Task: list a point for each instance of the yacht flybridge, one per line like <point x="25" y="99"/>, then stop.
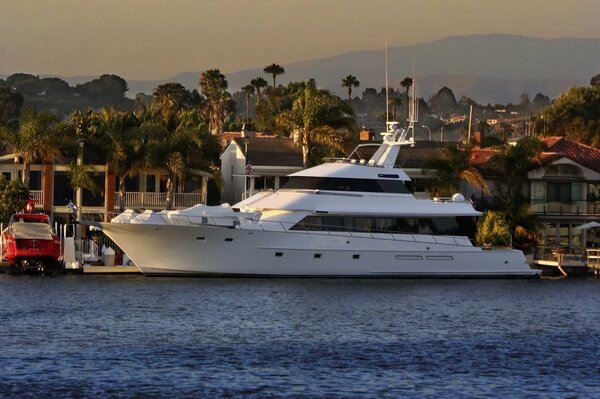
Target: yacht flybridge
<point x="344" y="218"/>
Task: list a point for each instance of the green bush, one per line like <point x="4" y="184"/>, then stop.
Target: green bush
<point x="13" y="196"/>
<point x="493" y="230"/>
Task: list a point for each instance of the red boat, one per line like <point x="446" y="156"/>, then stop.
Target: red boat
<point x="29" y="243"/>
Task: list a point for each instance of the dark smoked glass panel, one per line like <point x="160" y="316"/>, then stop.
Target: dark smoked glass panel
<point x="455" y="226"/>
<point x="343" y="184"/>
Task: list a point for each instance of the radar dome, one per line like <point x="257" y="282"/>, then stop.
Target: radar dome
<point x="458" y="197"/>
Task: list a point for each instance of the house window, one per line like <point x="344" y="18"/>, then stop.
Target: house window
<point x="35" y="180"/>
<point x="150" y="183"/>
<point x="132" y="183"/>
<point x="564" y="192"/>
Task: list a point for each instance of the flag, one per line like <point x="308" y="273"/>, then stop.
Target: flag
<point x="71" y="206"/>
<point x="248" y="171"/>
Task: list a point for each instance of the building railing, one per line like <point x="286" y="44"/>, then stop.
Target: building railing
<point x="137" y="200"/>
<point x="561" y="255"/>
<point x="565" y="207"/>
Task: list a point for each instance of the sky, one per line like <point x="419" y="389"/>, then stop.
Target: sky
<point x="157" y="39"/>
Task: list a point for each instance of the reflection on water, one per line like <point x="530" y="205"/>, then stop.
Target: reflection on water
<point x="133" y="336"/>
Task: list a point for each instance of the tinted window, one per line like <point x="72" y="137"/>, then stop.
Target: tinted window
<point x="343" y="184"/>
<point x="456" y="226"/>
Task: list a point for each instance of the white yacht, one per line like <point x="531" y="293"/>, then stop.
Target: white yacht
<point x="344" y="218"/>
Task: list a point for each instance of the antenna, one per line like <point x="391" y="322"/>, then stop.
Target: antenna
<point x="387" y="85"/>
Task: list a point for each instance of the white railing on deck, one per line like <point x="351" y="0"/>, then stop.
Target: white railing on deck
<point x="159" y="200"/>
<point x="38" y="197"/>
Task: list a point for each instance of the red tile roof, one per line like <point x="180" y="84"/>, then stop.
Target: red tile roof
<point x="557" y="147"/>
<point x="577" y="152"/>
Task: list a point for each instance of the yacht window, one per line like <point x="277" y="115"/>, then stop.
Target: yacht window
<point x="343" y="184"/>
<point x="459" y="226"/>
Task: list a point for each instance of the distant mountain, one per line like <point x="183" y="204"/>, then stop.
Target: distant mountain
<point x="488" y="68"/>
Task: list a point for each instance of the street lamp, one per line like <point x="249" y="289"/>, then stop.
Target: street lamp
<point x="429" y="130"/>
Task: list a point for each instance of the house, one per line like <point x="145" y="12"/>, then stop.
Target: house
<point x="250" y="164"/>
<point x="49" y="187"/>
<point x="564" y="193"/>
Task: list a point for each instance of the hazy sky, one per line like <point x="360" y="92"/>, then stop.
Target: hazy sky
<point x="153" y="39"/>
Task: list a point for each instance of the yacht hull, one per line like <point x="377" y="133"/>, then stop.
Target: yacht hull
<point x="222" y="251"/>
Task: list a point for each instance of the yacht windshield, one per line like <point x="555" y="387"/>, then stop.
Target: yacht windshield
<point x="345" y="184"/>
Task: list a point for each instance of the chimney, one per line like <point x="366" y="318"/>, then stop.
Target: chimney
<point x="248" y="130"/>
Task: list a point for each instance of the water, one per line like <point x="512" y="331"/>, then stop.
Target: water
<point x="137" y="337"/>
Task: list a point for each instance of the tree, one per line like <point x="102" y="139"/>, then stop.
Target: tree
<point x="167" y="100"/>
<point x="34" y="140"/>
<point x="595" y="81"/>
<point x="13" y="196"/>
<point x="317" y="116"/>
<point x="540" y="100"/>
<point x="493" y="230"/>
<point x="276" y="101"/>
<point x="443" y="103"/>
<point x="452" y="167"/>
<point x="164" y="150"/>
<point x="249" y="91"/>
<point x="274" y="70"/>
<point x="121" y="142"/>
<point x="258" y="83"/>
<point x="104" y="86"/>
<point x="213" y="85"/>
<point x="25" y="83"/>
<point x="407" y="83"/>
<point x="10" y="108"/>
<point x="514" y="162"/>
<point x="85" y="124"/>
<point x="574" y="114"/>
<point x="349" y="82"/>
<point x="395" y="101"/>
<point x="56" y="87"/>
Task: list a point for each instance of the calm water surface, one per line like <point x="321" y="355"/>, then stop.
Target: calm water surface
<point x="133" y="337"/>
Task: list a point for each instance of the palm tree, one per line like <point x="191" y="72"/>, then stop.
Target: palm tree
<point x="407" y="83"/>
<point x="515" y="162"/>
<point x="121" y="142"/>
<point x="395" y="101"/>
<point x="213" y="85"/>
<point x="165" y="150"/>
<point x="258" y="84"/>
<point x="452" y="167"/>
<point x="317" y="116"/>
<point x="249" y="90"/>
<point x="34" y="140"/>
<point x="167" y="100"/>
<point x="350" y="82"/>
<point x="274" y="70"/>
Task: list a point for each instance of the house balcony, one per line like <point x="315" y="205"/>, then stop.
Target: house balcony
<point x="542" y="207"/>
<point x="158" y="201"/>
<point x="38" y="198"/>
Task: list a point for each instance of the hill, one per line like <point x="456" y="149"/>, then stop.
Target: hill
<point x="488" y="68"/>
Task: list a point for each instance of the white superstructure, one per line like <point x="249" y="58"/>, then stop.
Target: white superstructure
<point x="345" y="218"/>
